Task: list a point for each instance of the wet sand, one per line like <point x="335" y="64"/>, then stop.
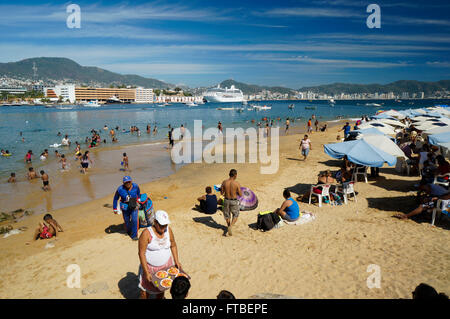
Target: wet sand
<point x="326" y="258"/>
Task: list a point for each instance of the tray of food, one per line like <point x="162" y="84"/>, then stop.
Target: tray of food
<point x="163" y="279"/>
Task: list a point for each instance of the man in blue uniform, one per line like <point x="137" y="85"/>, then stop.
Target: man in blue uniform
<point x="128" y="193"/>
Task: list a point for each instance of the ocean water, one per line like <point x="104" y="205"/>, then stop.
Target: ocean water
<point x="39" y="126"/>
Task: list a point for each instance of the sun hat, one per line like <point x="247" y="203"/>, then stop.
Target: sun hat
<point x="162" y="217"/>
<point x="126" y="179"/>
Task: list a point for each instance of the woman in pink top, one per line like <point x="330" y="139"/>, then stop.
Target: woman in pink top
<point x="157" y="251"/>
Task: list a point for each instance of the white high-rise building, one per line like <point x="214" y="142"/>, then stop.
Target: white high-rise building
<point x="144" y="95"/>
<point x="66" y="92"/>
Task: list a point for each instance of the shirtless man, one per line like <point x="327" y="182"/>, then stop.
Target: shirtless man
<point x="32" y="174"/>
<point x="231" y="189"/>
<point x="45" y="182"/>
<point x="47" y="231"/>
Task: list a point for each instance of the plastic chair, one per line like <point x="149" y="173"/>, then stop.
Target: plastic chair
<point x="346" y="189"/>
<point x="441" y="208"/>
<point x="325" y="192"/>
<point x="360" y="171"/>
<point x="443" y="182"/>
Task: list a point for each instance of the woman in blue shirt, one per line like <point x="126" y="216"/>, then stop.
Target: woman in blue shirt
<point x="289" y="210"/>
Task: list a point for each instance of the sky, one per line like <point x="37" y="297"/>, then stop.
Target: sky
<point x="196" y="43"/>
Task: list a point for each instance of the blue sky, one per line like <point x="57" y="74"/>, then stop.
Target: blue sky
<point x="200" y="43"/>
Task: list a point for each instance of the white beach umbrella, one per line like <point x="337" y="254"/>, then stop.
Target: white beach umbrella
<point x="428" y="125"/>
<point x="383" y="127"/>
<point x="395" y="113"/>
<point x="393" y="122"/>
<point x="384" y="143"/>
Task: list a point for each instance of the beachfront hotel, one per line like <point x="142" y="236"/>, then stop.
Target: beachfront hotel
<point x="102" y="95"/>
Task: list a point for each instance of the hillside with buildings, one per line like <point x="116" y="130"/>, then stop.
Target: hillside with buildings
<point x="51" y="71"/>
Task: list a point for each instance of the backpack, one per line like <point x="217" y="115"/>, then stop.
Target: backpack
<point x="267" y="221"/>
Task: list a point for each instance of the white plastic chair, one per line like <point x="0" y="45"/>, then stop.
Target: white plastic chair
<point x="325" y="192"/>
<point x="346" y="189"/>
<point x="441" y="208"/>
<point x="360" y="171"/>
<point x="445" y="183"/>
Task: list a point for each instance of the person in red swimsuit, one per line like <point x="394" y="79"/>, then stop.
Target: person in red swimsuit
<point x="47" y="231"/>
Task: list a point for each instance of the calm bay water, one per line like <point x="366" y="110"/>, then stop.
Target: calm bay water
<point x="40" y="125"/>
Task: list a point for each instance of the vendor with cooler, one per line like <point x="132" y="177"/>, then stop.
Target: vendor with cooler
<point x="129" y="193"/>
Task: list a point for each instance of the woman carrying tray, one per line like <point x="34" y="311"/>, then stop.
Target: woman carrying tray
<point x="157" y="251"/>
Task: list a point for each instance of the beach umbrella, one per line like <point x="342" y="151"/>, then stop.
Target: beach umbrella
<point x="360" y="152"/>
<point x="394" y="113"/>
<point x="384" y="143"/>
<point x="436" y="130"/>
<point x="429" y="125"/>
<point x="438" y="139"/>
<point x="383" y="115"/>
<point x="370" y="131"/>
<point x="393" y="122"/>
<point x="248" y="201"/>
<point x="383" y="127"/>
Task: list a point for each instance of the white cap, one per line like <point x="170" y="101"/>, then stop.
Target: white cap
<point x="162" y="217"/>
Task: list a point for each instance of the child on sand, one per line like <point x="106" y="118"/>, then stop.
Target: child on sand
<point x="45" y="182"/>
<point x="47" y="231"/>
<point x="125" y="162"/>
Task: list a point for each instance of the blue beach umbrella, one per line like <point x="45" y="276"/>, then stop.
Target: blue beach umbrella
<point x="370" y="131"/>
<point x="438" y="139"/>
<point x="360" y="152"/>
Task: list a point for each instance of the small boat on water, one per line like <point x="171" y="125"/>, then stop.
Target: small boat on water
<point x="190" y="104"/>
<point x="113" y="100"/>
<point x="373" y="104"/>
<point x="240" y="109"/>
<point x="261" y="108"/>
<point x="91" y="104"/>
<point x="291" y="106"/>
<point x="225" y="108"/>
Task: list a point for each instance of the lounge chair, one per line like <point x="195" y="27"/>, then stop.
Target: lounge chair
<point x="325" y="192"/>
<point x="441" y="208"/>
<point x="346" y="189"/>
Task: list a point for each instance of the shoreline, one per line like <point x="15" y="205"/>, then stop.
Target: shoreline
<point x="41" y="202"/>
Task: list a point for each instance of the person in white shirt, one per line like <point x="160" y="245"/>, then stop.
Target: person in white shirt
<point x="65" y="140"/>
<point x="305" y="146"/>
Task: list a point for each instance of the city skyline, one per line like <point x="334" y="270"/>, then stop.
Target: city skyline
<point x="291" y="43"/>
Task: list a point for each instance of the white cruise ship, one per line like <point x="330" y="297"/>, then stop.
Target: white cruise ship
<point x="221" y="95"/>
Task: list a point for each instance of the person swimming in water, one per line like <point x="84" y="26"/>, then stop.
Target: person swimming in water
<point x="28" y="157"/>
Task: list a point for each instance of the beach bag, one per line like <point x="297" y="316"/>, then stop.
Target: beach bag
<point x="267" y="220"/>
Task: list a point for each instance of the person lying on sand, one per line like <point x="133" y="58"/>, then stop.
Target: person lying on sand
<point x="47" y="231"/>
<point x="428" y="204"/>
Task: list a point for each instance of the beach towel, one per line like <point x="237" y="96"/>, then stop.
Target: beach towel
<point x="305" y="217"/>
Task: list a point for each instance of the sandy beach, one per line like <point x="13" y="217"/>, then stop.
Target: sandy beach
<point x="326" y="258"/>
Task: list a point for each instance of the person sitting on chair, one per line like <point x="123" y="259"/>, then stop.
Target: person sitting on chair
<point x="208" y="202"/>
